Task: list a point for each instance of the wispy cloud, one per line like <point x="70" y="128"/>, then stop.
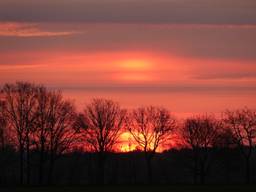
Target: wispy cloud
<point x="29" y="30"/>
<point x="230" y="75"/>
<point x="200" y="26"/>
<point x="19" y="66"/>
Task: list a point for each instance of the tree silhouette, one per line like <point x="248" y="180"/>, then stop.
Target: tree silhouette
<point x="20" y="105"/>
<point x="3" y="126"/>
<point x="100" y="125"/>
<point x="243" y="124"/>
<point x="226" y="145"/>
<point x="61" y="134"/>
<point x="53" y="133"/>
<point x="38" y="126"/>
<point x="200" y="133"/>
<point x="150" y="127"/>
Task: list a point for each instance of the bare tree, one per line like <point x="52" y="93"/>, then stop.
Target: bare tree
<point x="226" y="138"/>
<point x="3" y="125"/>
<point x="53" y="133"/>
<point x="150" y="128"/>
<point x="5" y="134"/>
<point x="41" y="131"/>
<point x="225" y="144"/>
<point x="57" y="128"/>
<point x="100" y="124"/>
<point x="200" y="133"/>
<point x="38" y="118"/>
<point x="20" y="100"/>
<point x="242" y="122"/>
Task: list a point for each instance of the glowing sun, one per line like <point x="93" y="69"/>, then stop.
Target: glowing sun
<point x="135" y="70"/>
<point x="126" y="143"/>
<point x="136" y="65"/>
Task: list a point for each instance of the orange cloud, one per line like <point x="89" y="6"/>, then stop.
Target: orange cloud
<point x="28" y="30"/>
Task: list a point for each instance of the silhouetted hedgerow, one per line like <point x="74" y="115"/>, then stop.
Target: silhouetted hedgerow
<point x="45" y="140"/>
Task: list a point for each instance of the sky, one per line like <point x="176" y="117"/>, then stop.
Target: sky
<point x="191" y="56"/>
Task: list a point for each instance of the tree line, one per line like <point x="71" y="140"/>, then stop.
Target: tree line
<point x="36" y="120"/>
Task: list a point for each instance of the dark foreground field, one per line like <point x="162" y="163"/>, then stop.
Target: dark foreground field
<point x="137" y="188"/>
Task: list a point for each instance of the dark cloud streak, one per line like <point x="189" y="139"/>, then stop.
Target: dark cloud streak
<point x="216" y="42"/>
<point x="131" y="11"/>
<point x="162" y="89"/>
<point x="227" y="75"/>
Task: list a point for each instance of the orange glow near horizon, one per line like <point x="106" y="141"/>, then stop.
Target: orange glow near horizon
<point x="136" y="78"/>
<point x="128" y="144"/>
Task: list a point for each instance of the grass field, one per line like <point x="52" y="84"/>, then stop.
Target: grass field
<point x="136" y="188"/>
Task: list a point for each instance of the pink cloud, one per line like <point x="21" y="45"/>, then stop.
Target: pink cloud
<point x="29" y="30"/>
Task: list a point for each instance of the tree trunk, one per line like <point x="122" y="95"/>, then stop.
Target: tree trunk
<point x="149" y="169"/>
<point x="51" y="168"/>
<point x="195" y="166"/>
<point x="227" y="176"/>
<point x="28" y="162"/>
<point x="41" y="162"/>
<point x="202" y="175"/>
<point x="248" y="170"/>
<point x="21" y="164"/>
<point x="195" y="174"/>
<point x="101" y="164"/>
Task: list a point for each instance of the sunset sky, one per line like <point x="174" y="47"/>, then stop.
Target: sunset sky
<point x="192" y="56"/>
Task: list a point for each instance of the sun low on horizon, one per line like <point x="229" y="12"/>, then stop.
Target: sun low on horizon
<point x="126" y="143"/>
